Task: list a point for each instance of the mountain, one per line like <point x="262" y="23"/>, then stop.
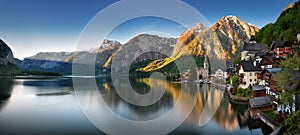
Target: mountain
<point x="7" y="61"/>
<point x="106" y="49"/>
<point x="6" y="55"/>
<point x="47" y="61"/>
<point x="51" y="56"/>
<point x="223" y="40"/>
<point x="141" y="50"/>
<point x="61" y="62"/>
<point x="285" y="28"/>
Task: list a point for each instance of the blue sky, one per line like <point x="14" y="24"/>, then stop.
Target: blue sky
<point x="31" y="26"/>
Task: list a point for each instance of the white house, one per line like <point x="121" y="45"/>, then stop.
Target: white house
<point x="248" y="71"/>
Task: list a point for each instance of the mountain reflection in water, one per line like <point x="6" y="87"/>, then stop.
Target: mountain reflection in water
<point x="53" y="102"/>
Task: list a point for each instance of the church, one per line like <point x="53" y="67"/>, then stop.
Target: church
<point x="203" y="72"/>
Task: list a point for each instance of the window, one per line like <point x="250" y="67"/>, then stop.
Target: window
<point x="250" y="74"/>
<point x="250" y="80"/>
<point x="255" y="80"/>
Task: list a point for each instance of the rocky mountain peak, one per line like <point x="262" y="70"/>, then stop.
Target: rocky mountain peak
<point x="6" y="55"/>
<point x="154" y="46"/>
<point x="223" y="41"/>
<point x="109" y="43"/>
<point x="227" y="24"/>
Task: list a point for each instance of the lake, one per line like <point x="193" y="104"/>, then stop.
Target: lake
<point x="50" y="106"/>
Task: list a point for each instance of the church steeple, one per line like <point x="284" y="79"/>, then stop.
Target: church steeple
<point x="205" y="66"/>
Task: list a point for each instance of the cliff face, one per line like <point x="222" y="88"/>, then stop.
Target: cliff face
<point x="222" y="41"/>
<point x="6" y="55"/>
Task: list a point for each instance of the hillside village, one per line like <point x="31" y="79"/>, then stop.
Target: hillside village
<point x="254" y="78"/>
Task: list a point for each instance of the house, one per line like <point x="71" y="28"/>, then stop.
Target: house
<point x="260" y="103"/>
<point x="258" y="91"/>
<point x="247" y="72"/>
<point x="250" y="50"/>
<point x="282" y="48"/>
<point x="266" y="78"/>
<point x="269" y="62"/>
<point x="221" y="74"/>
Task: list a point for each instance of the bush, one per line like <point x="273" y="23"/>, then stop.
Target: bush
<point x="292" y="124"/>
<point x="234" y="80"/>
<point x="243" y="92"/>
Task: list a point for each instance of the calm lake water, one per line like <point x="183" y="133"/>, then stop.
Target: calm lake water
<point x="50" y="106"/>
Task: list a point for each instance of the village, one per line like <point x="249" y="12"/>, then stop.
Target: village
<point x="251" y="80"/>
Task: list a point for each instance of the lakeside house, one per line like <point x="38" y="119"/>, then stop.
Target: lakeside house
<point x="258" y="91"/>
<point x="259" y="101"/>
<point x="247" y="72"/>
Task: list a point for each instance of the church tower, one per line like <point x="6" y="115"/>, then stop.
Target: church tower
<point x="206" y="67"/>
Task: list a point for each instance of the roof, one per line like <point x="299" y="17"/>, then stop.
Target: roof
<point x="248" y="66"/>
<point x="258" y="87"/>
<point x="260" y="101"/>
<point x="276" y="44"/>
<point x="255" y="47"/>
<point x="273" y="70"/>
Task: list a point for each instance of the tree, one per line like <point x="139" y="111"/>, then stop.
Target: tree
<point x="292" y="124"/>
<point x="234" y="80"/>
<point x="289" y="78"/>
<point x="237" y="59"/>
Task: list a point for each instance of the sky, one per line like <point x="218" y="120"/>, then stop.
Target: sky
<point x="32" y="26"/>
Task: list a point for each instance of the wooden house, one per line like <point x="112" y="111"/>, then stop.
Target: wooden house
<point x="258" y="91"/>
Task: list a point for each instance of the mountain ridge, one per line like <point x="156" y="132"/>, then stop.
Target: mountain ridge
<point x="222" y="40"/>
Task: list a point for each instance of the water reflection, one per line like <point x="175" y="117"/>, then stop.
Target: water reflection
<point x="210" y="95"/>
<point x="6" y="88"/>
<point x="34" y="108"/>
<point x="226" y="115"/>
<point x="52" y="102"/>
<point x="47" y="82"/>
